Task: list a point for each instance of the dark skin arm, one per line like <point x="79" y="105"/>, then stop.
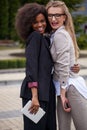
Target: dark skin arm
<point x="35" y="102"/>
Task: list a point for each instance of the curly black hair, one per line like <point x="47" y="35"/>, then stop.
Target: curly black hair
<point x="26" y="15"/>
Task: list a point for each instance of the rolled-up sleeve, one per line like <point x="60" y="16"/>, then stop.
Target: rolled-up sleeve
<point x="32" y="60"/>
<point x="61" y="65"/>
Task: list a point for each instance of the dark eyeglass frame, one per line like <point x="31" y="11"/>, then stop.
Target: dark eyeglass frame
<point x="55" y="15"/>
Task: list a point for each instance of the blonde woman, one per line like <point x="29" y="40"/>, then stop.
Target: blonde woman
<point x="71" y="90"/>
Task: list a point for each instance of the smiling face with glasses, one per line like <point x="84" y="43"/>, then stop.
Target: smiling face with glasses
<point x="56" y="17"/>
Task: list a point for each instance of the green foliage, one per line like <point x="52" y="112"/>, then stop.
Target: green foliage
<point x="44" y="2"/>
<point x="8" y="9"/>
<point x="13" y="63"/>
<point x="82" y="41"/>
<point x="24" y="1"/>
<point x="72" y="3"/>
<point x="13" y="6"/>
<point x="3" y="19"/>
<point x="20" y="63"/>
<point x="3" y="64"/>
<point x="80" y="22"/>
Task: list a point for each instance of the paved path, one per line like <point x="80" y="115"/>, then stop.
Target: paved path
<point x="10" y="103"/>
<point x="10" y="54"/>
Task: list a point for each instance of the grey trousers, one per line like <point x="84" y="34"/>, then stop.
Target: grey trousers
<point x="78" y="111"/>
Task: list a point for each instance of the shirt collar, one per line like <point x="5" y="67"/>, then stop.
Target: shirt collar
<point x="53" y="33"/>
<point x="60" y="28"/>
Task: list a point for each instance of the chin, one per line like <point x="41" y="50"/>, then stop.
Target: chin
<point x="41" y="32"/>
<point x="55" y="28"/>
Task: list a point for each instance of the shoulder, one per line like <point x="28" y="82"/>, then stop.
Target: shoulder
<point x="61" y="34"/>
<point x="61" y="39"/>
<point x="34" y="37"/>
<point x="34" y="34"/>
<point x="47" y="37"/>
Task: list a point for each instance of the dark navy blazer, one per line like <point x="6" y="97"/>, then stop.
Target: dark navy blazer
<point x="38" y="66"/>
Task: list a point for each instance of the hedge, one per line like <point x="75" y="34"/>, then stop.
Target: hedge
<point x="82" y="41"/>
<point x="13" y="63"/>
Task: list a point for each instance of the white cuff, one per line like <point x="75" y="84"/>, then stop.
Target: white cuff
<point x="64" y="87"/>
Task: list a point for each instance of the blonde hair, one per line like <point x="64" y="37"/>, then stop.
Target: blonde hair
<point x="68" y="23"/>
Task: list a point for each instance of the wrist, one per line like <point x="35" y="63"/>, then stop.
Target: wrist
<point x="34" y="96"/>
<point x="63" y="92"/>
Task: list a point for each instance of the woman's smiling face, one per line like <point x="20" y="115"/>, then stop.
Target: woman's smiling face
<point x="56" y="17"/>
<point x="39" y="24"/>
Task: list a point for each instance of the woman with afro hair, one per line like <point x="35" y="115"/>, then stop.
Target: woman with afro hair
<point x="31" y="25"/>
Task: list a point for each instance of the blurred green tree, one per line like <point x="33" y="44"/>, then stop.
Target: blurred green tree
<point x="80" y="22"/>
<point x="13" y="6"/>
<point x="73" y="4"/>
<point x="70" y="3"/>
<point x="8" y="9"/>
<point x="3" y="19"/>
<point x="44" y="2"/>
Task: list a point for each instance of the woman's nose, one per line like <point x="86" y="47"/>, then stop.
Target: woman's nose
<point x="53" y="18"/>
<point x="40" y="24"/>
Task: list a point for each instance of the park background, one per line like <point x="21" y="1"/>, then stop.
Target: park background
<point x="12" y="60"/>
<point x="9" y="39"/>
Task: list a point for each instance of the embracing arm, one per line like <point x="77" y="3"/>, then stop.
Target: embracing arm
<point x="75" y="68"/>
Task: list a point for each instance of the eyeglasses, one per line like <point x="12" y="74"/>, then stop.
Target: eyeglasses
<point x="55" y="15"/>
